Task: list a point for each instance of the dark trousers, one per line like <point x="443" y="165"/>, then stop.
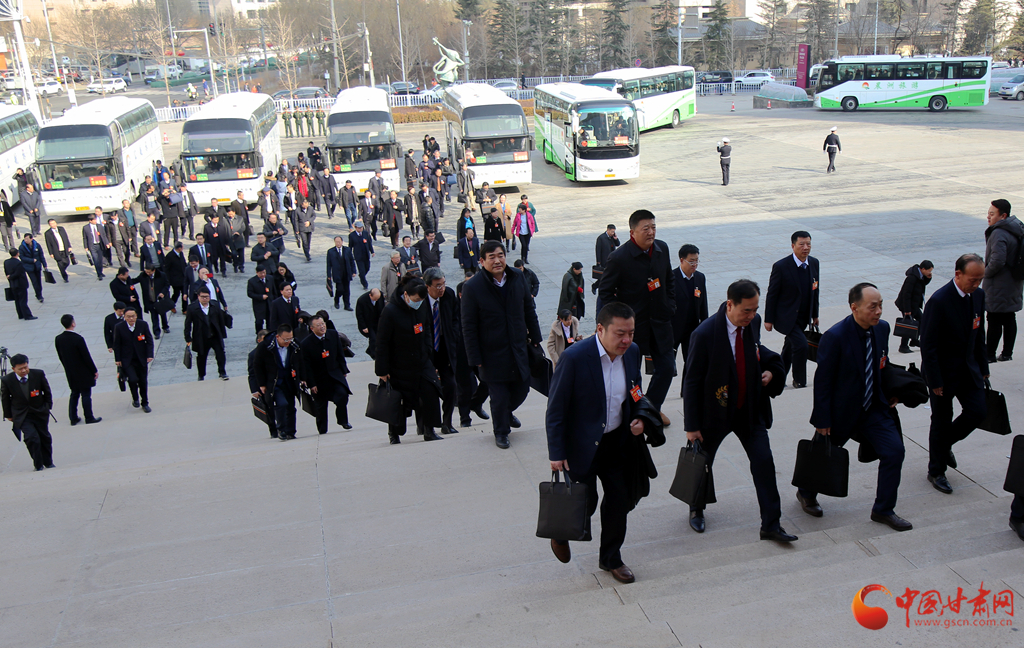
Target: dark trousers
<point x="284" y="409"/>
<point x="188" y="221"/>
<point x="217" y="346"/>
<point x="218" y="262"/>
<point x="137" y="375"/>
<point x="472" y="393"/>
<point x="794" y="353"/>
<point x="121" y="249"/>
<point x="664" y="370"/>
<point x="170" y="227"/>
<point x="945" y="430"/>
<point x="36" y="276"/>
<point x="305" y="238"/>
<point x="238" y="259"/>
<point x="342" y="291"/>
<point x="684" y="344"/>
<point x="330" y="206"/>
<point x="261" y="314"/>
<point x="39" y="442"/>
<point x="524" y="242"/>
<point x="371" y="348"/>
<point x="725" y="174"/>
<point x="831" y="161"/>
<point x="179" y="292"/>
<point x="21" y="301"/>
<point x="96" y="253"/>
<point x="328" y="392"/>
<point x="1002" y="325"/>
<point x="62" y="266"/>
<point x="86" y="395"/>
<point x="878" y="429"/>
<point x="364" y="267"/>
<point x="449" y="391"/>
<point x="33" y="221"/>
<point x="424" y="401"/>
<point x="609" y="467"/>
<point x="268" y="403"/>
<point x="505" y="398"/>
<point x="762" y="469"/>
<point x="158" y="318"/>
<point x="1017" y="507"/>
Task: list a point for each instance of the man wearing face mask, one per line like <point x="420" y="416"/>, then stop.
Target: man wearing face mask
<point x="403" y="359"/>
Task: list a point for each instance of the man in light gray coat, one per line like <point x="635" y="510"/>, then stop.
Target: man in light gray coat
<point x="1003" y="293"/>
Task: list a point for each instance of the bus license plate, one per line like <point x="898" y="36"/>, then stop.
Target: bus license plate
<point x="499" y="182"/>
<point x="81" y="209"/>
<point x="609" y="175"/>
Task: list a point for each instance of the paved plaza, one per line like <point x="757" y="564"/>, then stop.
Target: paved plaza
<point x="190" y="527"/>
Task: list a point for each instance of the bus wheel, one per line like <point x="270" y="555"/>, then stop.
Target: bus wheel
<point x="544" y="149"/>
<point x="1020" y="96"/>
<point x="937" y="103"/>
<point x="676" y="122"/>
<point x="849" y="103"/>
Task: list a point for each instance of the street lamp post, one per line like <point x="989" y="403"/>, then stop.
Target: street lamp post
<point x="836" y="49"/>
<point x="49" y="34"/>
<point x="401" y="44"/>
<point x="334" y="46"/>
<point x="466" y="24"/>
<point x="209" y="61"/>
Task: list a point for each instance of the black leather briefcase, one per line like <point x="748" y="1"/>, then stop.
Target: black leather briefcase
<point x="563" y="510"/>
<point x="384" y="404"/>
<point x="906" y="328"/>
<point x="997" y="419"/>
<point x="1014" y="482"/>
<point x="306" y="401"/>
<point x="822" y="467"/>
<point x="813" y="336"/>
<point x="259" y="410"/>
<point x="694" y="482"/>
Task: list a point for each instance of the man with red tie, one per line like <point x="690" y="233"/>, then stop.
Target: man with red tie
<point x="95" y="240"/>
<point x="722" y="393"/>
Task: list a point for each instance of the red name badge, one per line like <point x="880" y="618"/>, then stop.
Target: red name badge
<point x="293" y="373"/>
<point x="215" y="235"/>
<point x="417" y="328"/>
<point x="977" y="321"/>
<point x="636" y="393"/>
<point x="653" y="285"/>
<point x="142" y="338"/>
<point x="266" y="289"/>
<point x="34" y="393"/>
<point x="579" y="289"/>
<point x="325" y="354"/>
<point x="696" y="293"/>
<point x="814" y="286"/>
<point x="881" y="362"/>
<point x="296" y="311"/>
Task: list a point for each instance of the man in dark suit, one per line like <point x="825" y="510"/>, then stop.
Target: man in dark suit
<point x="58" y="246"/>
<point x="174" y="271"/>
<point x="214" y="209"/>
<point x="362" y="251"/>
<point x="201" y="251"/>
<point x="265" y="254"/>
<point x="133" y="351"/>
<point x="722" y="393"/>
<point x="205" y="330"/>
<point x="17" y="279"/>
<point x="305" y="220"/>
<point x="328" y="188"/>
<point x="850" y="402"/>
<point x="341" y="270"/>
<point x="369" y="308"/>
<point x="191" y="277"/>
<point x="376" y="187"/>
<point x="410" y="257"/>
<point x="792" y="303"/>
<point x="445" y="339"/>
<point x="603" y="248"/>
<point x="27" y="400"/>
<point x="120" y="238"/>
<point x="111" y="321"/>
<point x="323" y="370"/>
<point x="254" y="387"/>
<point x="369" y="207"/>
<point x="149" y="227"/>
<point x="151" y="252"/>
<point x="285" y="309"/>
<point x="154" y="288"/>
<point x="349" y="200"/>
<point x="591" y="432"/>
<point x="262" y="291"/>
<point x="207" y="279"/>
<point x="94" y="239"/>
<point x="189" y="210"/>
<point x="241" y="208"/>
<point x="217" y="234"/>
<point x="122" y="288"/>
<point x="170" y="207"/>
<point x="429" y="251"/>
<point x="954" y="362"/>
<point x="691" y="298"/>
<point x="79" y="369"/>
<point x="499" y="319"/>
<point x="531" y="277"/>
<point x="910" y="301"/>
<point x="277" y="365"/>
<point x="639" y="274"/>
<point x="469" y="252"/>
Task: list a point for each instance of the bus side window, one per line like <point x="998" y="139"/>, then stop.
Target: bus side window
<point x="952" y="70"/>
<point x="935" y="70"/>
<point x="632" y="89"/>
<point x="973" y="69"/>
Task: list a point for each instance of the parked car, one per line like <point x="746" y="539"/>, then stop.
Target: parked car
<point x="722" y="76"/>
<point x="108" y="86"/>
<point x="384" y="86"/>
<point x="756" y="78"/>
<point x="49" y="87"/>
<point x="1013" y="88"/>
<point x="404" y="88"/>
<point x="507" y="86"/>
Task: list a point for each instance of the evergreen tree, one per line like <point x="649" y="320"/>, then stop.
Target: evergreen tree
<point x="772" y="12"/>
<point x="541" y="35"/>
<point x="819" y="27"/>
<point x="979" y="28"/>
<point x="467" y="9"/>
<point x="506" y="30"/>
<point x="1015" y="40"/>
<point x="717" y="53"/>
<point x="665" y="17"/>
<point x="614" y="33"/>
<point x="952" y="23"/>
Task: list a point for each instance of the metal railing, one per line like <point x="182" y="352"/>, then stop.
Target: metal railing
<point x="733" y="88"/>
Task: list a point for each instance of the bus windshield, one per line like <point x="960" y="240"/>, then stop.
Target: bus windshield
<point x="607" y="126"/>
<point x="76" y="174"/>
<point x="363" y="158"/>
<point x="224" y="166"/>
<point x="497" y="150"/>
<point x="607" y="84"/>
<point x="352" y="134"/>
<point x="214" y="142"/>
<point x="73" y="148"/>
<point x="494" y="126"/>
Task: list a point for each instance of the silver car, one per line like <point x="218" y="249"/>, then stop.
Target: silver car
<point x="1013" y="88"/>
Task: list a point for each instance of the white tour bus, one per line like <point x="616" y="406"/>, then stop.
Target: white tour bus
<point x="590" y="132"/>
<point x="488" y="129"/>
<point x="227" y="144"/>
<point x="361" y="139"/>
<point x="662" y="96"/>
<point x="97" y="155"/>
<point x="18" y="129"/>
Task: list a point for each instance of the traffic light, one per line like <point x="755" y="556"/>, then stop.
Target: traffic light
<point x="212" y="29"/>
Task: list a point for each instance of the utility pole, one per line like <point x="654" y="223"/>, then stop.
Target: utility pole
<point x="679" y="35"/>
<point x="836" y="48"/>
<point x="263" y="43"/>
<point x="206" y="37"/>
<point x="49" y="34"/>
<point x="875" y="50"/>
<point x="401" y="44"/>
<point x="466" y="24"/>
<point x="334" y="45"/>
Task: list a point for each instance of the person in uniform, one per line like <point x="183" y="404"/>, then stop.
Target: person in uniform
<point x="321" y="127"/>
<point x="298" y="123"/>
<point x="725" y="159"/>
<point x="832" y="147"/>
<point x="309" y="121"/>
<point x="287" y="117"/>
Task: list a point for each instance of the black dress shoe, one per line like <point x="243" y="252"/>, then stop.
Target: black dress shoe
<point x="146" y="409"/>
<point x="778" y="535"/>
<point x="282" y="436"/>
<point x="346" y="426"/>
<point x="1018" y="526"/>
<point x="348" y="308"/>
<point x="393" y="439"/>
<point x="809" y="505"/>
<point x="622" y="574"/>
<point x="564" y="554"/>
<point x="893" y="521"/>
<point x="501" y="440"/>
<point x="95" y="420"/>
<point x="430" y="435"/>
<point x="51" y="466"/>
<point x="941" y="484"/>
<point x="513" y="421"/>
<point x="31" y="317"/>
<point x="466" y="422"/>
<point x="482" y="415"/>
<point x="135" y="404"/>
<point x="447" y="429"/>
<point x="75" y="421"/>
<point x="951" y="462"/>
<point x="904" y="348"/>
<point x="799" y="385"/>
<point x="697" y="521"/>
<point x="1005" y="357"/>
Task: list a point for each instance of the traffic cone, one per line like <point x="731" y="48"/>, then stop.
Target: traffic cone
<point x="167" y="140"/>
<point x="769" y="104"/>
<point x="733" y="109"/>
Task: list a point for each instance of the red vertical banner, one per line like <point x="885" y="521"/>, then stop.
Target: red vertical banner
<point x="803" y="54"/>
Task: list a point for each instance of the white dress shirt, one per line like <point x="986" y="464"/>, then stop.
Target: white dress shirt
<point x="614" y="373"/>
<point x="798" y="262"/>
<point x="733" y="332"/>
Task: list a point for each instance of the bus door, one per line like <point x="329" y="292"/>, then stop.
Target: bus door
<point x="951" y="76"/>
